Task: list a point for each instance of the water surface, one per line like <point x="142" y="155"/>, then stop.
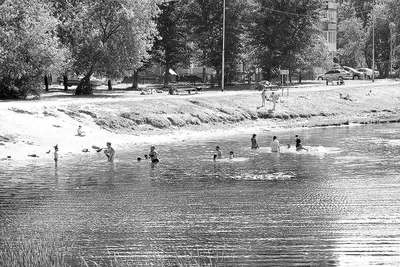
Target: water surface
<point x="336" y="205"/>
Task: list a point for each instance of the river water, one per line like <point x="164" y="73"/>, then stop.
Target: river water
<point x="336" y="205"/>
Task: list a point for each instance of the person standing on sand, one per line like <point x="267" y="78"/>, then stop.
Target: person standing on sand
<point x="109" y="152"/>
<point x="254" y="144"/>
<point x="275" y="145"/>
<point x="80" y="132"/>
<point x="56" y="154"/>
<point x="153" y="155"/>
<point x="299" y="146"/>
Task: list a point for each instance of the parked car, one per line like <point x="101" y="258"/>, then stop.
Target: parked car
<point x="335" y="75"/>
<point x="368" y="72"/>
<point x="356" y="74"/>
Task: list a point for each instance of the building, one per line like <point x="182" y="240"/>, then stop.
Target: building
<point x="329" y="25"/>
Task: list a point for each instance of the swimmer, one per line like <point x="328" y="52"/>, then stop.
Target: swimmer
<point x="215" y="157"/>
<point x="231" y="155"/>
<point x="109" y="152"/>
<point x="275" y="145"/>
<point x="55" y="155"/>
<point x="218" y="152"/>
<point x="254" y="144"/>
<point x="299" y="146"/>
<point x="153" y="155"/>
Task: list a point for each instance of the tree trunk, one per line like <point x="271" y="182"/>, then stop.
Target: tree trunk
<point x="65" y="82"/>
<point x="204" y="74"/>
<point x="46" y="83"/>
<point x="109" y="85"/>
<point x="299" y="76"/>
<point x="135" y="84"/>
<point x="84" y="87"/>
<point x="166" y="75"/>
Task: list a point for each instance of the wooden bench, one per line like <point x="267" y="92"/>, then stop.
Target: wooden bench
<point x="334" y="82"/>
<point x="197" y="90"/>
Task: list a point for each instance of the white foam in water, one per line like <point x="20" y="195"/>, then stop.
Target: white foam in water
<point x="313" y="150"/>
<point x="265" y="176"/>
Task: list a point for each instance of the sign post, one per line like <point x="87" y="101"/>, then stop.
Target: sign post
<point x="283" y="73"/>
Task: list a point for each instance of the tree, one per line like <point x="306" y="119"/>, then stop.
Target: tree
<point x="171" y="46"/>
<point x="205" y="18"/>
<point x="29" y="48"/>
<point x="280" y="31"/>
<point x="106" y="37"/>
<point x="351" y="37"/>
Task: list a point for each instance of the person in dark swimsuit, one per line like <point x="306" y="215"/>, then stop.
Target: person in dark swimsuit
<point x="299" y="146"/>
<point x="153" y="155"/>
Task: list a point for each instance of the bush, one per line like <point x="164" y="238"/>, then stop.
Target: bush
<point x="19" y="88"/>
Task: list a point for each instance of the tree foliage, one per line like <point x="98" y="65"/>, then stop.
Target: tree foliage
<point x="106" y="37"/>
<point x="205" y="18"/>
<point x="29" y="48"/>
<point x="171" y="47"/>
<point x="281" y="30"/>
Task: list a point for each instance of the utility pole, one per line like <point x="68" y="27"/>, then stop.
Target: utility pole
<point x="373" y="41"/>
<point x="223" y="50"/>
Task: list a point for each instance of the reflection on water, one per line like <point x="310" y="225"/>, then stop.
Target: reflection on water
<point x="336" y="205"/>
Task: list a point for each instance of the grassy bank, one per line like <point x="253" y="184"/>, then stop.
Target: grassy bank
<point x="128" y="117"/>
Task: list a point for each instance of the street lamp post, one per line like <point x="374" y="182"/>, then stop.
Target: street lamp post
<point x="391" y="26"/>
<point x="373" y="41"/>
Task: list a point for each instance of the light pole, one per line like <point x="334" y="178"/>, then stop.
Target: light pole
<point x="223" y="50"/>
<point x="391" y="26"/>
<point x="373" y="41"/>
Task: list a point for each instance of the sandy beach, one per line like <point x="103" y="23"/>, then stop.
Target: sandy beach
<point x="34" y="127"/>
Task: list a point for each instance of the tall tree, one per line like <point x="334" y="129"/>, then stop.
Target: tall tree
<point x="171" y="46"/>
<point x="106" y="37"/>
<point x="29" y="48"/>
<point x="281" y="30"/>
<point x="351" y="37"/>
<point x="205" y="18"/>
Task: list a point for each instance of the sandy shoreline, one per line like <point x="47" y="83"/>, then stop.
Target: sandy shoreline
<point x="35" y="127"/>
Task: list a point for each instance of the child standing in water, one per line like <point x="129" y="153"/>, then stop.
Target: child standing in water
<point x="153" y="155"/>
<point x="254" y="144"/>
<point x="218" y="152"/>
<point x="109" y="152"/>
<point x="275" y="145"/>
<point x="56" y="154"/>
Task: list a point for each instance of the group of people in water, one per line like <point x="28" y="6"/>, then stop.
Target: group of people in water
<point x="275" y="146"/>
<point x="109" y="151"/>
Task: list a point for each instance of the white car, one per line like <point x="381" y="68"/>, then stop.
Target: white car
<point x="356" y="74"/>
<point x="368" y="72"/>
<point x="335" y="75"/>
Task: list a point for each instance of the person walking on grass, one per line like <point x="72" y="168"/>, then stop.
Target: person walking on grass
<point x="263" y="97"/>
<point x="254" y="144"/>
<point x="274" y="98"/>
<point x="275" y="145"/>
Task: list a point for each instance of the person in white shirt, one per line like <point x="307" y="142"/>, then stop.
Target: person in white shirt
<point x="275" y="145"/>
<point x="275" y="98"/>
